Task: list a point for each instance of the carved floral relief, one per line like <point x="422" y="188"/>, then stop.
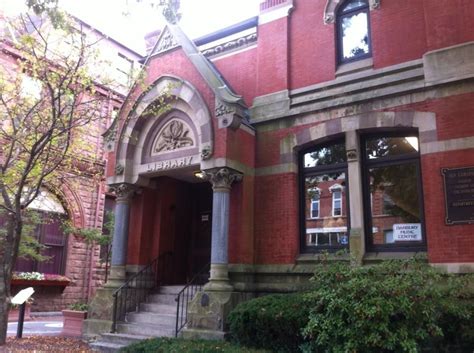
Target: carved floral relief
<point x="175" y="135"/>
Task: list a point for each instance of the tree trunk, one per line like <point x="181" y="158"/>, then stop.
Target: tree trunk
<point x="8" y="258"/>
<point x="4" y="305"/>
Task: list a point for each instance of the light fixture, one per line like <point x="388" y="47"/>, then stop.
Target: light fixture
<point x="199" y="174"/>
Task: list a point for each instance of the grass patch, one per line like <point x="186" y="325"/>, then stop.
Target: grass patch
<point x="179" y="345"/>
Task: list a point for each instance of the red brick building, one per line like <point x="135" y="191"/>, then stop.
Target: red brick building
<point x="318" y="125"/>
<point x="81" y="197"/>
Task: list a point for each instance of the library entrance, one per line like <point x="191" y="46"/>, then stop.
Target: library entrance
<point x="182" y="226"/>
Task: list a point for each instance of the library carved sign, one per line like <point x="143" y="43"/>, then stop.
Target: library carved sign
<point x="459" y="195"/>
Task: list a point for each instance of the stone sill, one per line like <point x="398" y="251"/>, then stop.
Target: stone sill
<point x="381" y="256"/>
<point x="316" y="258"/>
<point x="353" y="67"/>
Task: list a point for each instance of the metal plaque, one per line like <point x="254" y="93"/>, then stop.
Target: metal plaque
<point x="459" y="194"/>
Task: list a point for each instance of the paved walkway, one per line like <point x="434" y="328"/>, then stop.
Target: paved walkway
<point x="47" y="326"/>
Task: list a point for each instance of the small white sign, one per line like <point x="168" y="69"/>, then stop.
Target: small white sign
<point x="22" y="296"/>
<point x="407" y="232"/>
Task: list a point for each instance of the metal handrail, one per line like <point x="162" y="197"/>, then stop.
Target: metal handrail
<point x="187" y="294"/>
<point x="134" y="291"/>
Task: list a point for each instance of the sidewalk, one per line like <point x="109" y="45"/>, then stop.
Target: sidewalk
<point x="47" y="325"/>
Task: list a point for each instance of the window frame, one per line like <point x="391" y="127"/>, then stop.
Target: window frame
<point x="315" y="171"/>
<point x="340" y="60"/>
<point x="366" y="165"/>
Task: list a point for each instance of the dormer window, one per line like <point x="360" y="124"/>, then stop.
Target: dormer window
<point x="353" y="31"/>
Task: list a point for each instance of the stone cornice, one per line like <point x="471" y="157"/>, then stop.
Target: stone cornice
<point x="231" y="45"/>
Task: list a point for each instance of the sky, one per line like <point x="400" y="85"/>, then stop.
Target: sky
<point x="129" y="20"/>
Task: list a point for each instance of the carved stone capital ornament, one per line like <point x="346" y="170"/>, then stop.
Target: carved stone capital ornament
<point x="124" y="191"/>
<point x="228" y="115"/>
<point x="222" y="178"/>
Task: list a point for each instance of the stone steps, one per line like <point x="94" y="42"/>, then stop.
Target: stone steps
<point x="168" y="299"/>
<point x="156" y="318"/>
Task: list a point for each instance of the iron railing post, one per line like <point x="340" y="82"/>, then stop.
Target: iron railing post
<point x="114" y="314"/>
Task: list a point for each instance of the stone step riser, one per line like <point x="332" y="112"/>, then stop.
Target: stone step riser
<point x="170" y="290"/>
<point x="106" y="347"/>
<point x="145" y="330"/>
<point x="158" y="308"/>
<point x="121" y="339"/>
<point x="149" y="318"/>
<point x="168" y="299"/>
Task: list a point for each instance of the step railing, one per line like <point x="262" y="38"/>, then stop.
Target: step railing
<point x="187" y="294"/>
<point x="134" y="291"/>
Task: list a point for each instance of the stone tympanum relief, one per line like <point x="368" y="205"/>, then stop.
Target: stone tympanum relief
<point x="175" y="135"/>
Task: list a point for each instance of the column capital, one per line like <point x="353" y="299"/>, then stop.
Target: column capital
<point x="222" y="178"/>
<point x="123" y="191"/>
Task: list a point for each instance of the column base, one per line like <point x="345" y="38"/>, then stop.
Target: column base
<point x="100" y="312"/>
<point x="117" y="277"/>
<point x="208" y="312"/>
<point x="219" y="279"/>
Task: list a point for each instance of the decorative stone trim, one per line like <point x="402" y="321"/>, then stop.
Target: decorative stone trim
<point x="273" y="10"/>
<point x="124" y="192"/>
<point x="222" y="178"/>
<point x="166" y="42"/>
<point x="231" y="45"/>
<point x="228" y="116"/>
<point x="175" y="135"/>
<point x="138" y="126"/>
<point x="424" y="122"/>
<point x="332" y="6"/>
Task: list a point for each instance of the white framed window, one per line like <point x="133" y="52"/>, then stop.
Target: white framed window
<point x="315" y="203"/>
<point x="336" y="191"/>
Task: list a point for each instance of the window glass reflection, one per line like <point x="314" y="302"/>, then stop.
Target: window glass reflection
<point x="326" y="194"/>
<point x="326" y="155"/>
<point x="355" y="35"/>
<point x="395" y="204"/>
<point x="391" y="146"/>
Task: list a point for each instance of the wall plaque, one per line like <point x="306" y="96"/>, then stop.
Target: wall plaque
<point x="459" y="194"/>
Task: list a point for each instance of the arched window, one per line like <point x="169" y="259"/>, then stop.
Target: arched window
<point x="353" y="34"/>
<point x="43" y="221"/>
<point x="325" y="219"/>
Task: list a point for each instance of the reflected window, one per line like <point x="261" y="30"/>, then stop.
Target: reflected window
<point x="325" y="222"/>
<point x="315" y="203"/>
<point x="353" y="31"/>
<point x="337" y="201"/>
<point x="394" y="218"/>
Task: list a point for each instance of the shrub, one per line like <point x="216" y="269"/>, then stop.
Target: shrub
<point x="272" y="322"/>
<point x="395" y="306"/>
<point x="176" y="345"/>
<point x="78" y="307"/>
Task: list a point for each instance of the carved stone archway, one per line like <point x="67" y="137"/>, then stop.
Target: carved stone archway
<point x="193" y="116"/>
